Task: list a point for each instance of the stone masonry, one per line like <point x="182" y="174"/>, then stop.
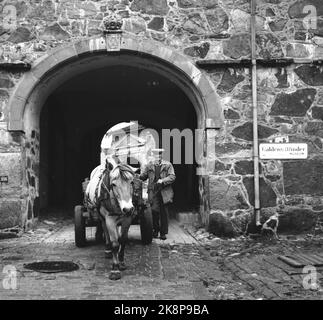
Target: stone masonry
<point x="290" y="97"/>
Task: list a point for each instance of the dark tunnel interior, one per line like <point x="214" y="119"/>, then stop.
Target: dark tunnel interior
<point x="77" y="115"/>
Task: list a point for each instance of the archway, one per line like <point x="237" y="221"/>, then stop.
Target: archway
<point x="75" y="60"/>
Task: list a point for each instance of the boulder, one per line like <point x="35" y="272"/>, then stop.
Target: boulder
<point x="221" y="225"/>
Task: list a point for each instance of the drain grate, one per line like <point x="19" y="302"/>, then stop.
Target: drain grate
<point x="302" y="260"/>
<point x="52" y="266"/>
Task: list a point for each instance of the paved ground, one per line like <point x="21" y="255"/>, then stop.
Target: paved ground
<point x="183" y="267"/>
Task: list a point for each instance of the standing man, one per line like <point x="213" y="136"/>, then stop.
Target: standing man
<point x="161" y="176"/>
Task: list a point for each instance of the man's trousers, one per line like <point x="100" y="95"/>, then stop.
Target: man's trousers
<point x="160" y="214"/>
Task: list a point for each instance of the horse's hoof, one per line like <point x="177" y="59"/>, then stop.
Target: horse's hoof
<point x="115" y="275"/>
<point x="122" y="266"/>
<point x="108" y="254"/>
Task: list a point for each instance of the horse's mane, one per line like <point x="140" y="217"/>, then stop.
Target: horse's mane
<point x="122" y="170"/>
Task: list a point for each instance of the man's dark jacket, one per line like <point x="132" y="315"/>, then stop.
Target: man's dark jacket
<point x="167" y="175"/>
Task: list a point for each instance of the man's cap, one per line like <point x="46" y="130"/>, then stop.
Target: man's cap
<point x="157" y="151"/>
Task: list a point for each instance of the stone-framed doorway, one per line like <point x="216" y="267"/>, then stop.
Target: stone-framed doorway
<point x="71" y="60"/>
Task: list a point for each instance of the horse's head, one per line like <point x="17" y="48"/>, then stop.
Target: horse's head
<point x="121" y="182"/>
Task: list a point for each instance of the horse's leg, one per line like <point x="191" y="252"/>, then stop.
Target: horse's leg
<point x="126" y="223"/>
<point x="108" y="247"/>
<point x="99" y="232"/>
<point x="111" y="225"/>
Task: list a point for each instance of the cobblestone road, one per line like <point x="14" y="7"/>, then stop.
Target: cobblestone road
<point x="181" y="268"/>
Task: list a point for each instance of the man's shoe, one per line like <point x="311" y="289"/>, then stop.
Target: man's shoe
<point x="155" y="234"/>
<point x="163" y="237"/>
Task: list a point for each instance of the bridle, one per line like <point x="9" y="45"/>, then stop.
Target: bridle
<point x="108" y="186"/>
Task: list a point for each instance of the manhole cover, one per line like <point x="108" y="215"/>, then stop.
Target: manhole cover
<point x="52" y="266"/>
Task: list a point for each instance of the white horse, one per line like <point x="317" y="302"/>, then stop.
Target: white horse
<point x="110" y="191"/>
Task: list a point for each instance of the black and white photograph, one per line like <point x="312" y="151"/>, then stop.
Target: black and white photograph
<point x="161" y="151"/>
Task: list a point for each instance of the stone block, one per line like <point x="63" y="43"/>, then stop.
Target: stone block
<point x="10" y="213"/>
<point x="314" y="8"/>
<point x="317" y="113"/>
<point x="297" y="220"/>
<point x="208" y="4"/>
<point x="297" y="50"/>
<point x="311" y="75"/>
<point x="207" y="89"/>
<point x="21" y="34"/>
<point x="224" y="149"/>
<point x="54" y="33"/>
<point x="231" y="114"/>
<point x="218" y="20"/>
<point x="237" y="46"/>
<point x="64" y="53"/>
<point x="229" y="80"/>
<point x="26" y="85"/>
<point x="162" y="52"/>
<point x="295" y="104"/>
<point x="155" y="7"/>
<point x="268" y="197"/>
<point x="221" y="225"/>
<point x="224" y="196"/>
<point x="198" y="51"/>
<point x="304" y="177"/>
<point x="6" y="82"/>
<point x="41" y="66"/>
<point x="268" y="46"/>
<point x="245" y="131"/>
<point x="82" y="47"/>
<point x="157" y="23"/>
<point x="314" y="128"/>
<point x="11" y="166"/>
<point x="135" y="25"/>
<point x="244" y="167"/>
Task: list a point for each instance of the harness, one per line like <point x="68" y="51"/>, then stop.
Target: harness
<point x="94" y="203"/>
<point x="109" y="197"/>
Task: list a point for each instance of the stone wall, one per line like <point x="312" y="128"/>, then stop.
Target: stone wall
<point x="290" y="98"/>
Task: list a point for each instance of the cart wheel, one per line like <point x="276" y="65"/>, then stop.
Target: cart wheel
<point x="79" y="225"/>
<point x="146" y="226"/>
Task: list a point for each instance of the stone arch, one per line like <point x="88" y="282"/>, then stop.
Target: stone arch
<point x="189" y="77"/>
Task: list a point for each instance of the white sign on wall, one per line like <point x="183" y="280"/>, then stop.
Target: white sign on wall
<point x="283" y="151"/>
